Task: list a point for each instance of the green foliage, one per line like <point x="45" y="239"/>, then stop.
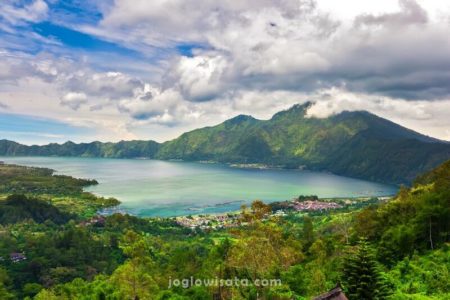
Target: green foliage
<point x="65" y="192"/>
<point x="5" y="286"/>
<point x="426" y="276"/>
<point x="22" y="180"/>
<point x="417" y="219"/>
<point x="362" y="278"/>
<point x="308" y="232"/>
<point x="125" y="257"/>
<point x="95" y="149"/>
<point x="31" y="289"/>
<point x="18" y="208"/>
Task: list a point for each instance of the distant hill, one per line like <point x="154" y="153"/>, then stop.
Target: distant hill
<point x="357" y="144"/>
<point x="123" y="149"/>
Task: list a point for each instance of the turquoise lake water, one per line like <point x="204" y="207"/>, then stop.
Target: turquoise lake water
<point x="162" y="188"/>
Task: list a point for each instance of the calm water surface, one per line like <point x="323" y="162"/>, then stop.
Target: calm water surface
<point x="161" y="188"/>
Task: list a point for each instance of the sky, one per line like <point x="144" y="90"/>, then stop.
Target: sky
<point x="112" y="70"/>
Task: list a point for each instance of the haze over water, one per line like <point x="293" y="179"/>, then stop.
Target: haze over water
<point x="162" y="188"/>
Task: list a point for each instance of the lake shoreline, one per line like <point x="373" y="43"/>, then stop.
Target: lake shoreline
<point x="159" y="188"/>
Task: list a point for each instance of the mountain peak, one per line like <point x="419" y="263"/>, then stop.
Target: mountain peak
<point x="239" y="119"/>
<point x="384" y="128"/>
<point x="296" y="109"/>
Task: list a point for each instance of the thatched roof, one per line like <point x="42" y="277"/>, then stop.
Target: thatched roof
<point x="334" y="294"/>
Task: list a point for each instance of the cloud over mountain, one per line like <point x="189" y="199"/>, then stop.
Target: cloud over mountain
<point x="193" y="63"/>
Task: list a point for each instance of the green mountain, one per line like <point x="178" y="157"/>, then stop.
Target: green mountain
<point x="123" y="149"/>
<point x="357" y="144"/>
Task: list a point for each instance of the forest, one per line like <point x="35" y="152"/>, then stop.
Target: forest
<point x="53" y="245"/>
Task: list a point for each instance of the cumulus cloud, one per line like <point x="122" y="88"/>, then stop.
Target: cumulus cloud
<point x="254" y="57"/>
<point x="199" y="78"/>
<point x="291" y="45"/>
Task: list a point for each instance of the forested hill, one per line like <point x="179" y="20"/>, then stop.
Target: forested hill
<point x="357" y="144"/>
<point x="123" y="149"/>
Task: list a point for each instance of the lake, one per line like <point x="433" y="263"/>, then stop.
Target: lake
<point x="163" y="188"/>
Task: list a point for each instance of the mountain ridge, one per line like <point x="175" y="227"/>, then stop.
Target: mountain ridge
<point x="352" y="143"/>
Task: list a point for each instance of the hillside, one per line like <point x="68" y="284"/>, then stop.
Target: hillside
<point x="396" y="249"/>
<point x="123" y="149"/>
<point x="357" y="144"/>
<point x="17" y="208"/>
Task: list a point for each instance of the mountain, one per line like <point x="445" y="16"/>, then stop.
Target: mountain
<point x="123" y="149"/>
<point x="357" y="144"/>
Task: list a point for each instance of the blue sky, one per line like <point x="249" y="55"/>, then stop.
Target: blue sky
<point x="136" y="69"/>
<point x="36" y="130"/>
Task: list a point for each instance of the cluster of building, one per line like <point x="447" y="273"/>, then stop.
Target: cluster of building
<point x="97" y="220"/>
<point x="218" y="221"/>
<point x="15" y="257"/>
<point x="209" y="221"/>
<point x="314" y="205"/>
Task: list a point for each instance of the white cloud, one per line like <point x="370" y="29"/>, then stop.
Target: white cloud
<point x="36" y="11"/>
<point x="108" y="85"/>
<point x="291" y="45"/>
<point x="74" y="100"/>
<point x="427" y="117"/>
<point x="198" y="78"/>
<point x="253" y="57"/>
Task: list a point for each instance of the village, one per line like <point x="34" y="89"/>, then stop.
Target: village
<point x="213" y="221"/>
<point x="297" y="205"/>
<point x="228" y="220"/>
<point x="314" y="205"/>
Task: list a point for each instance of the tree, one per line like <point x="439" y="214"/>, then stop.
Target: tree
<point x="255" y="254"/>
<point x="133" y="277"/>
<point x="258" y="211"/>
<point x="308" y="232"/>
<point x="134" y="281"/>
<point x="343" y="224"/>
<point x="46" y="295"/>
<point x="362" y="278"/>
<point x="31" y="289"/>
<point x="5" y="283"/>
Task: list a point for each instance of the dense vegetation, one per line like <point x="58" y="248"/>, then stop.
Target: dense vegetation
<point x="17" y="208"/>
<point x="357" y="144"/>
<point x="20" y="179"/>
<point x="393" y="250"/>
<point x="65" y="192"/>
<point x="124" y="149"/>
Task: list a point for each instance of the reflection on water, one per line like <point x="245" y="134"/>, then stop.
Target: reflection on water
<point x="161" y="188"/>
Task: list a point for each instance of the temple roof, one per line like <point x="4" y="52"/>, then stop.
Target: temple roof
<point x="334" y="294"/>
